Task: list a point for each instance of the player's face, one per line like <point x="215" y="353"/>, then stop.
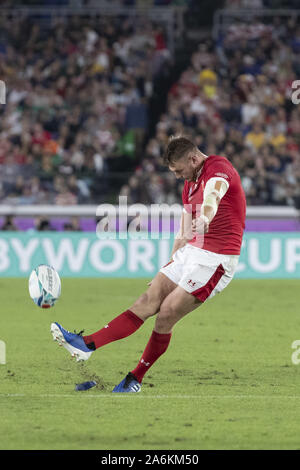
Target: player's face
<point x="184" y="168"/>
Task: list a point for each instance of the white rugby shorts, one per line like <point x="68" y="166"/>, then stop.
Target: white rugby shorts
<point x="200" y="272"/>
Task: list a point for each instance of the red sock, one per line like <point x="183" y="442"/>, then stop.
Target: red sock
<point x="120" y="327"/>
<point x="157" y="345"/>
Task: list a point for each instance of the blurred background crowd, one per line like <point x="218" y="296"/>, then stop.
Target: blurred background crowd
<point x="78" y="125"/>
<point x="76" y="109"/>
<point x="234" y="99"/>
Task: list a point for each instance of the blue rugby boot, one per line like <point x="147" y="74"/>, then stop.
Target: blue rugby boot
<point x="128" y="385"/>
<point x="85" y="386"/>
<point x="73" y="342"/>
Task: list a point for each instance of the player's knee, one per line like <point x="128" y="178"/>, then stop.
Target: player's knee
<point x="145" y="306"/>
<point x="166" y="318"/>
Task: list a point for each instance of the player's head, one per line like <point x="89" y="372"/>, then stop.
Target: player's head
<point x="183" y="158"/>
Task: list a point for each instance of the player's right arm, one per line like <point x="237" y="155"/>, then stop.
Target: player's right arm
<point x="184" y="233"/>
<point x="181" y="237"/>
<point x="215" y="189"/>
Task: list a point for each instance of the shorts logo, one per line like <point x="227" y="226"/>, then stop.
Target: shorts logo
<point x="191" y="283"/>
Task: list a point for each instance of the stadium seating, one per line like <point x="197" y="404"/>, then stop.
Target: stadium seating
<point x="77" y="105"/>
<point x="75" y="128"/>
<point x="234" y="99"/>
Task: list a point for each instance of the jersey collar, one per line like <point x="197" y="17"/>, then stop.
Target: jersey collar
<point x="200" y="171"/>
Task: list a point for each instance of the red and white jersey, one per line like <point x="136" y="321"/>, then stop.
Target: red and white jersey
<point x="225" y="231"/>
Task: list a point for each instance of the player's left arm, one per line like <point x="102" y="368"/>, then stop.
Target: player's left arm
<point x="214" y="190"/>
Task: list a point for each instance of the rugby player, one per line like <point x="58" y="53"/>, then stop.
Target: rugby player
<point x="203" y="261"/>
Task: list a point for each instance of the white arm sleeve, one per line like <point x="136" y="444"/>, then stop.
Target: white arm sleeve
<point x="210" y="187"/>
<point x="211" y="194"/>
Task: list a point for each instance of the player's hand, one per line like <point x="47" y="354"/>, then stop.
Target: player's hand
<point x="200" y="225"/>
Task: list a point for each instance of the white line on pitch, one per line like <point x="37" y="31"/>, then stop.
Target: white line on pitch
<point x="168" y="397"/>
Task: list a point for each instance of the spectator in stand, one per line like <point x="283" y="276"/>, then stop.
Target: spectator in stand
<point x="235" y="99"/>
<point x="9" y="224"/>
<point x="77" y="108"/>
<point x="256" y="137"/>
<point x="73" y="225"/>
<point x="42" y="224"/>
<point x="78" y="98"/>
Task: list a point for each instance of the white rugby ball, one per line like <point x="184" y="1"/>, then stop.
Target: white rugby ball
<point x="44" y="286"/>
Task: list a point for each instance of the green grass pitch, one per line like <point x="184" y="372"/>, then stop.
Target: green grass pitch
<point x="227" y="380"/>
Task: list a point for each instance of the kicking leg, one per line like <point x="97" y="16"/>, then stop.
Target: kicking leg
<point x="124" y="325"/>
<point x="174" y="307"/>
<point x="178" y="304"/>
<point x="129" y="321"/>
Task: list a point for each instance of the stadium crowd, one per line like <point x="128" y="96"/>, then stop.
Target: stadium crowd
<point x="77" y="104"/>
<point x="77" y="110"/>
<point x="235" y="99"/>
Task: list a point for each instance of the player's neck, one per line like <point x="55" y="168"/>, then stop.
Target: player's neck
<point x="199" y="169"/>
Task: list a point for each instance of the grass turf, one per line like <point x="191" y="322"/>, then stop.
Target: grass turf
<point x="226" y="382"/>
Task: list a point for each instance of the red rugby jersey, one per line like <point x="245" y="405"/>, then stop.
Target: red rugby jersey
<point x="225" y="231"/>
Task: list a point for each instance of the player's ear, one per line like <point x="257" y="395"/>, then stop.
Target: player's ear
<point x="193" y="159"/>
